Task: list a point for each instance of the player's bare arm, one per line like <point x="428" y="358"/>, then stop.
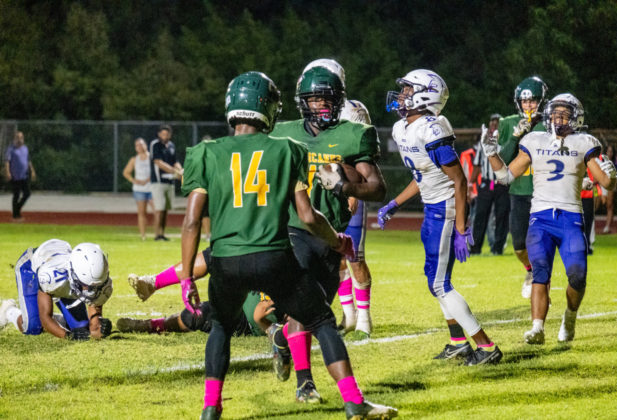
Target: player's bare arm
<point x="46" y="311"/>
<point x="454" y="171"/>
<point x="314" y="220"/>
<point x="191" y="231"/>
<point x="94" y="314"/>
<point x="374" y="189"/>
<point x="164" y="166"/>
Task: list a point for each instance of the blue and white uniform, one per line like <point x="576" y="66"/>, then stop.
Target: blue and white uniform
<point x="48" y="268"/>
<point x="556" y="210"/>
<point x="357" y="230"/>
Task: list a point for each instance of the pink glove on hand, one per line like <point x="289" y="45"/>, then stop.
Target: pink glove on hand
<point x="190" y="296"/>
<point x="346" y="246"/>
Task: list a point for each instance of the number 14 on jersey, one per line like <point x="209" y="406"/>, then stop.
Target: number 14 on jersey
<point x="255" y="181"/>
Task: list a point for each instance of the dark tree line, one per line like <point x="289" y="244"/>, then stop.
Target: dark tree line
<point x="172" y="59"/>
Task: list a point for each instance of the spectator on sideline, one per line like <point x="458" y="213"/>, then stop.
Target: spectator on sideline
<point x="490" y="194"/>
<point x="164" y="169"/>
<point x="142" y="192"/>
<point x="19" y="172"/>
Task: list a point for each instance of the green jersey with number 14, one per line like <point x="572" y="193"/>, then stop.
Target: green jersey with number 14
<point x="249" y="180"/>
<point x="347" y="142"/>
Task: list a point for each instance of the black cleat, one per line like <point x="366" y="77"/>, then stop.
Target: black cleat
<point x="307" y="393"/>
<point x="369" y="410"/>
<point x="481" y="357"/>
<point x="451" y="352"/>
<point x="281" y="356"/>
<point x="211" y="412"/>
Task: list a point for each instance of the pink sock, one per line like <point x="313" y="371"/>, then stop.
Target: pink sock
<point x="212" y="393"/>
<point x="344" y="292"/>
<point x="349" y="390"/>
<point x="157" y="325"/>
<point x="363" y="298"/>
<point x="166" y="278"/>
<point x="300" y="348"/>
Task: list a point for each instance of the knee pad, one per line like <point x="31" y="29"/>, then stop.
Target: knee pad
<point x="577" y="277"/>
<point x="194" y="323"/>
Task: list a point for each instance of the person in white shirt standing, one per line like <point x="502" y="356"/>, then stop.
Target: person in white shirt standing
<point x="142" y="191"/>
<point x="559" y="159"/>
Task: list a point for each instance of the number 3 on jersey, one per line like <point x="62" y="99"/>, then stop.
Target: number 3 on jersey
<point x="255" y="181"/>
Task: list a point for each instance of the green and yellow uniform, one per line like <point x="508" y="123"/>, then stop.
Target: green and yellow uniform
<point x="346" y="142"/>
<point x="522" y="185"/>
<point x="250" y="179"/>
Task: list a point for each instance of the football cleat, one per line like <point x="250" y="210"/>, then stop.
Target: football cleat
<point x="348" y="323"/>
<point x="482" y="357"/>
<point x="134" y="325"/>
<point x="526" y="290"/>
<point x="4" y="308"/>
<point x="451" y="352"/>
<point x="364" y="323"/>
<point x="211" y="412"/>
<point x="143" y="285"/>
<point x="307" y="393"/>
<point x="566" y="331"/>
<point x="534" y="336"/>
<point x="369" y="410"/>
<point x="281" y="356"/>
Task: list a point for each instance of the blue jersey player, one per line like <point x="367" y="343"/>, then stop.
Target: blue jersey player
<point x="559" y="159"/>
<point x="425" y="141"/>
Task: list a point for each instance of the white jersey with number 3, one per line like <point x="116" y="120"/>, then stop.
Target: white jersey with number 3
<point x="414" y="142"/>
<point x="51" y="264"/>
<point x="558" y="170"/>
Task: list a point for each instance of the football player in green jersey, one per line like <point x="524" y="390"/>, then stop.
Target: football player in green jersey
<point x="248" y="182"/>
<point x="529" y="97"/>
<point x="320" y="95"/>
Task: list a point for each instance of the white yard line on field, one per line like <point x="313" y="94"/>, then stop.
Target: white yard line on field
<point x="263" y="356"/>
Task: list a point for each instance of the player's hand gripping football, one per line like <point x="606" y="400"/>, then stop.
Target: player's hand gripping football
<point x="331" y="180"/>
<point x="345" y="246"/>
<point x="489" y="142"/>
<point x="385" y="213"/>
<point x="461" y="251"/>
<point x="190" y="296"/>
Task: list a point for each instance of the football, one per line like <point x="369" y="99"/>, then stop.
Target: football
<point x="351" y="174"/>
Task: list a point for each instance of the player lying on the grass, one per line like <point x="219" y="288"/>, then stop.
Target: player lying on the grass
<point x="425" y="141"/>
<point x="559" y="159"/>
<point x="77" y="280"/>
<point x="258" y="313"/>
<point x="248" y="182"/>
<point x="320" y="95"/>
<point x="360" y="283"/>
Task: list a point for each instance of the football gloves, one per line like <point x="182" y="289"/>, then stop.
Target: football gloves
<point x="80" y="334"/>
<point x="587" y="184"/>
<point x="489" y="142"/>
<point x="461" y="252"/>
<point x="385" y="213"/>
<point x="190" y="296"/>
<point x="608" y="167"/>
<point x="331" y="180"/>
<point x="106" y="326"/>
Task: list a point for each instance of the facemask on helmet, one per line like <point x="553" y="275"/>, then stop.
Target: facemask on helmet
<point x="430" y="93"/>
<point x="355" y="111"/>
<point x="89" y="271"/>
<point x="320" y="83"/>
<point x="562" y="107"/>
<point x="531" y="88"/>
<point x="254" y="98"/>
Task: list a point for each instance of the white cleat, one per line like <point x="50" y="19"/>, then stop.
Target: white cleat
<point x="566" y="331"/>
<point x="534" y="336"/>
<point x="526" y="290"/>
<point x="364" y="324"/>
<point x="348" y="323"/>
<point x="4" y="308"/>
<point x="143" y="285"/>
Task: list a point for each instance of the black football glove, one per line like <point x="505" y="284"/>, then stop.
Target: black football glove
<point x="106" y="326"/>
<point x="80" y="334"/>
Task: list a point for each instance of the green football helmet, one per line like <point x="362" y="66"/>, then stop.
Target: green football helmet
<point x="253" y="97"/>
<point x="323" y="83"/>
<point x="530" y="88"/>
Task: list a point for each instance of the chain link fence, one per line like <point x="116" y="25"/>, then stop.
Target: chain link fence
<point x="89" y="156"/>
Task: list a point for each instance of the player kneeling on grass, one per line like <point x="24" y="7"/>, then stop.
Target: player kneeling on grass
<point x="425" y="140"/>
<point x="559" y="159"/>
<point x="77" y="280"/>
<point x="248" y="181"/>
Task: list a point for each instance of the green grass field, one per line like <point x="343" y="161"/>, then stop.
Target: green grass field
<point x="138" y="376"/>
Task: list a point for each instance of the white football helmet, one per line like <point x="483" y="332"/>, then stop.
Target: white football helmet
<point x="430" y="93"/>
<point x="577" y="114"/>
<point x="355" y="111"/>
<point x="329" y="64"/>
<point x="89" y="272"/>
